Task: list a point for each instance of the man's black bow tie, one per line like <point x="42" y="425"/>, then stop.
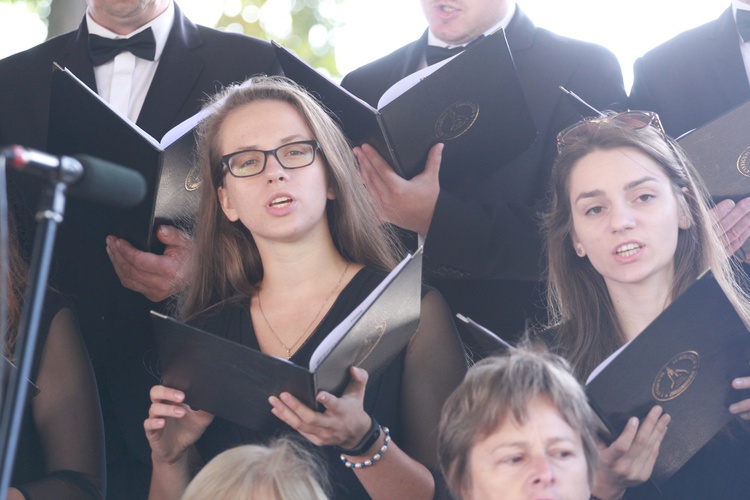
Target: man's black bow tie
<point x="743" y="24"/>
<point x="103" y="50"/>
<point x="434" y="54"/>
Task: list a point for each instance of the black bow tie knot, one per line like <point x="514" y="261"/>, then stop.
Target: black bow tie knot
<point x="743" y="24"/>
<point x="103" y="50"/>
<point x="434" y="54"/>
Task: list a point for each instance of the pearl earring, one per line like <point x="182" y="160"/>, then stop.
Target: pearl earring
<point x="579" y="251"/>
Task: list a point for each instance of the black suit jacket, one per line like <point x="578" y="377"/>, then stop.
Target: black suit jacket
<point x="483" y="249"/>
<point x="692" y="78"/>
<point x="196" y="62"/>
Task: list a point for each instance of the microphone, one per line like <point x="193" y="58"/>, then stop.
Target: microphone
<point x="87" y="177"/>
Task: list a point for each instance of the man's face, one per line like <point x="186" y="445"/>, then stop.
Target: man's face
<point x="457" y="22"/>
<point x="125" y="16"/>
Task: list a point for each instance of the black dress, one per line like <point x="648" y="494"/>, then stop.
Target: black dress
<point x="75" y="446"/>
<point x="386" y="392"/>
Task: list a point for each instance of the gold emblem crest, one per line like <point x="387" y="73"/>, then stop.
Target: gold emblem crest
<point x="676" y="376"/>
<point x="456" y="120"/>
<point x="372" y="340"/>
<point x="193" y="179"/>
<point x="742" y="163"/>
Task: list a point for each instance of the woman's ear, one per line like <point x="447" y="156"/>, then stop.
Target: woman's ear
<point x="330" y="193"/>
<point x="226" y="204"/>
<point x="579" y="250"/>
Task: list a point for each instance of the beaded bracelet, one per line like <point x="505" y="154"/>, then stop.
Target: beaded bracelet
<point x="375" y="458"/>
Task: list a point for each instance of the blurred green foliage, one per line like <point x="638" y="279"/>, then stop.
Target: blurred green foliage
<point x="303" y="26"/>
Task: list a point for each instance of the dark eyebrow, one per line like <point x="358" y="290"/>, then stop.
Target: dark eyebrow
<point x="630" y="185"/>
<point x="635" y="183"/>
<point x="284" y="140"/>
<point x="590" y="194"/>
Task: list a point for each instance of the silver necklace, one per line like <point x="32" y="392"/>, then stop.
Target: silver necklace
<point x="304" y="334"/>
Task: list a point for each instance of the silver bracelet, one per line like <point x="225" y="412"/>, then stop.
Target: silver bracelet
<point x="375" y="458"/>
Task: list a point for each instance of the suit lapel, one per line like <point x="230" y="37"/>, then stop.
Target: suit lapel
<point x="520" y="34"/>
<point x="413" y="59"/>
<point x="727" y="66"/>
<point x="174" y="79"/>
<point x="76" y="56"/>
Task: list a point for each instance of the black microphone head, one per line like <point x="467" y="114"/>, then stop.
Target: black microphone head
<point x="108" y="183"/>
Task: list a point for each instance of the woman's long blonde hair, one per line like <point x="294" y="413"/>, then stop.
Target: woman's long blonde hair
<point x="226" y="263"/>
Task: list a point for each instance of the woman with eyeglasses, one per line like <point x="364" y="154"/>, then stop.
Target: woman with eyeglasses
<point x="287" y="244"/>
<point x="628" y="231"/>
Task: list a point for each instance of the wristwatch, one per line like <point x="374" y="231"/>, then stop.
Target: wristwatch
<point x="366" y="443"/>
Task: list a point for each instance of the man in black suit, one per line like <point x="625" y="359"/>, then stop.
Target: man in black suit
<point x="185" y="64"/>
<point x="696" y="77"/>
<point x="482" y="247"/>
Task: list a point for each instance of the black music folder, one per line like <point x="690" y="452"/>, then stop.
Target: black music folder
<point x="472" y="102"/>
<point x="81" y="122"/>
<point x="720" y="151"/>
<point x="487" y="341"/>
<point x="234" y="382"/>
<point x="684" y="361"/>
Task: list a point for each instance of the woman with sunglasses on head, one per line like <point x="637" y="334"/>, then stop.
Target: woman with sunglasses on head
<point x="288" y="243"/>
<point x="628" y="231"/>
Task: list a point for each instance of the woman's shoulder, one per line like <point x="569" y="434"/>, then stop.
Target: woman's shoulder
<point x="54" y="301"/>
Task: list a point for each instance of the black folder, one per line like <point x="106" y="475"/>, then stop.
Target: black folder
<point x="486" y="341"/>
<point x="234" y="381"/>
<point x="81" y="122"/>
<point x="684" y="361"/>
<point x="720" y="151"/>
<point x="473" y="103"/>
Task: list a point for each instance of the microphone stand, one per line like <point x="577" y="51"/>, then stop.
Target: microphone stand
<point x="48" y="217"/>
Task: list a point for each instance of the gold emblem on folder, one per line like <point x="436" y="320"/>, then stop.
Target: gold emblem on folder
<point x="193" y="179"/>
<point x="676" y="376"/>
<point x="456" y="120"/>
<point x="742" y="163"/>
<point x="371" y="341"/>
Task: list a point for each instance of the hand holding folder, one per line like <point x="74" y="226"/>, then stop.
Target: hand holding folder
<point x="213" y="371"/>
<point x="472" y="102"/>
<point x="684" y="361"/>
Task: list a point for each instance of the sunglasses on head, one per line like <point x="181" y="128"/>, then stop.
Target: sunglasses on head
<point x="635" y="120"/>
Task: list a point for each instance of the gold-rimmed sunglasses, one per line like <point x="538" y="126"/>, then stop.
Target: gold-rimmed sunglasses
<point x="635" y="120"/>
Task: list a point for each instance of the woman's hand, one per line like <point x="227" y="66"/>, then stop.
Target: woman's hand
<point x="741" y="408"/>
<point x="172" y="426"/>
<point x="344" y="423"/>
<point x="630" y="459"/>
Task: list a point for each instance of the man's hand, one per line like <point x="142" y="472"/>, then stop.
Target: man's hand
<point x="408" y="204"/>
<point x="734" y="219"/>
<point x="155" y="276"/>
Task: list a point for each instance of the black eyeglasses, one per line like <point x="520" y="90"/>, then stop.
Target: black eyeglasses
<point x="634" y="119"/>
<point x="250" y="162"/>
